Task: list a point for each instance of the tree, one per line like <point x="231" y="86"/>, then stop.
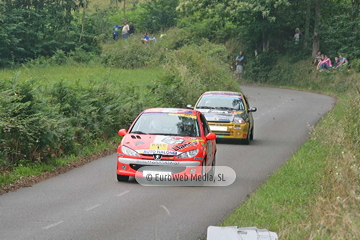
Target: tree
<point x="316" y="36"/>
<point x="159" y="15"/>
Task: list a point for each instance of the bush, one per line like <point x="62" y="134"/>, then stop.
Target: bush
<point x="131" y="54"/>
<point x="191" y="71"/>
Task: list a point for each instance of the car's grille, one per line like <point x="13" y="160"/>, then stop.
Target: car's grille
<point x="220" y="121"/>
<point x="222" y="133"/>
<point x="152" y="155"/>
<point x="161" y="168"/>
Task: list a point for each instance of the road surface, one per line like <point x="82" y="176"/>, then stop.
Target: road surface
<point x="89" y="203"/>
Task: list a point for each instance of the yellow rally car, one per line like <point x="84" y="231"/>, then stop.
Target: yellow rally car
<point x="228" y="114"/>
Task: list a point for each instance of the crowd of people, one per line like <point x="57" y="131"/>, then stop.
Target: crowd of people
<point x="324" y="62"/>
<point x="127" y="30"/>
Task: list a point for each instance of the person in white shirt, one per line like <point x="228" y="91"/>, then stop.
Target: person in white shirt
<point x="125" y="30"/>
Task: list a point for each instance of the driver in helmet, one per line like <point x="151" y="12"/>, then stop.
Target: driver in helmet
<point x="187" y="128"/>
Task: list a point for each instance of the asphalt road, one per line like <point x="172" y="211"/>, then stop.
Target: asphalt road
<point x="89" y="203"/>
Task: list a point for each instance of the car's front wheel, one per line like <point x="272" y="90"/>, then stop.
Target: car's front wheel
<point x="247" y="140"/>
<point x="212" y="170"/>
<point x="122" y="178"/>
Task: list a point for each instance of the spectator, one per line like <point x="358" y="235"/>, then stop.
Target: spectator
<point x="325" y="63"/>
<point x="153" y="38"/>
<point x="146" y="38"/>
<point x="125" y="30"/>
<point x="342" y="61"/>
<point x="336" y="62"/>
<point x="116" y="29"/>
<point x="317" y="58"/>
<point x="131" y="29"/>
<point x="297" y="36"/>
<point x="239" y="65"/>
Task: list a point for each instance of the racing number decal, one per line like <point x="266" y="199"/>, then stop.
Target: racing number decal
<point x="158" y="146"/>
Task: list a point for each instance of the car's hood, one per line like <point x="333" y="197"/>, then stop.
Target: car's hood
<point x="161" y="144"/>
<point x="216" y="115"/>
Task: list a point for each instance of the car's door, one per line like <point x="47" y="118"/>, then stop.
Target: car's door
<point x="249" y="114"/>
<point x="210" y="144"/>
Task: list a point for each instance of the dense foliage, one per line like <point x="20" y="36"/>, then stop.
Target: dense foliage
<point x="40" y="122"/>
<point x="31" y="29"/>
<point x="267" y="27"/>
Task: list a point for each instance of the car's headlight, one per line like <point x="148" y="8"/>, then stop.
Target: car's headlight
<point x="188" y="154"/>
<point x="129" y="151"/>
<point x="239" y="121"/>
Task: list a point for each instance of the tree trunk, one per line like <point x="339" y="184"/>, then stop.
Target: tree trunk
<point x="124" y="11"/>
<point x="83" y="20"/>
<point x="265" y="42"/>
<point x="355" y="12"/>
<point x="316" y="37"/>
<point x="307" y="23"/>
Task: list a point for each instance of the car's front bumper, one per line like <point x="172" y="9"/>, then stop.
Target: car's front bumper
<point x="131" y="166"/>
<point x="230" y="130"/>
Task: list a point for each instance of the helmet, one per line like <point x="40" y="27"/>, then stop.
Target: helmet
<point x="187" y="128"/>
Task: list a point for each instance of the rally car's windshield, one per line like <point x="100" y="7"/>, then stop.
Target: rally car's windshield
<point x="220" y="102"/>
<point x="164" y="123"/>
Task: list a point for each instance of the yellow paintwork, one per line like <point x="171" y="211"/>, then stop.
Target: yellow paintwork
<point x="238" y="131"/>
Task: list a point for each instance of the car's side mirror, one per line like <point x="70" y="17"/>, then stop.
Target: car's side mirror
<point x="211" y="136"/>
<point x="190" y="106"/>
<point x="253" y="109"/>
<point x="122" y="132"/>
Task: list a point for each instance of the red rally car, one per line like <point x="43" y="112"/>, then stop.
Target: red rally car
<point x="178" y="141"/>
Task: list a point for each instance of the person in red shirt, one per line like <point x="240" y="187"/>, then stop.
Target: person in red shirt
<point x="325" y="63"/>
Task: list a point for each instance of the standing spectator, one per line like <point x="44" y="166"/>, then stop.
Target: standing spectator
<point x="297" y="36"/>
<point x="125" y="30"/>
<point x="131" y="29"/>
<point x="116" y="30"/>
<point x="146" y="38"/>
<point x="317" y="58"/>
<point x="239" y="65"/>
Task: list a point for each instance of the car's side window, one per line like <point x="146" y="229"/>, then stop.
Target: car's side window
<point x="204" y="124"/>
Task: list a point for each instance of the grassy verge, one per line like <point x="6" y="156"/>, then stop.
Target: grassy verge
<point x="316" y="194"/>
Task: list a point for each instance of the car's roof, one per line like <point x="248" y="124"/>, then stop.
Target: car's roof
<point x="226" y="93"/>
<point x="171" y="110"/>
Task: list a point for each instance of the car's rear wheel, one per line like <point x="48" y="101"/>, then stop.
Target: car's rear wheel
<point x="122" y="178"/>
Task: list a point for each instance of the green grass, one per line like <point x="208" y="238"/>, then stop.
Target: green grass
<point x="83" y="75"/>
<point x="316" y="194"/>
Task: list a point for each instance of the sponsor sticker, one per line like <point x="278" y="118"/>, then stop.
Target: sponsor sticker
<point x="183" y="115"/>
<point x="185" y="145"/>
<point x="173" y="140"/>
<point x="158" y="146"/>
<point x="162" y="152"/>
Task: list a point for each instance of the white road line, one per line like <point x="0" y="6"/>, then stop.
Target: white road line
<point x="91" y="208"/>
<point x="122" y="194"/>
<point x="167" y="210"/>
<point x="52" y="225"/>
